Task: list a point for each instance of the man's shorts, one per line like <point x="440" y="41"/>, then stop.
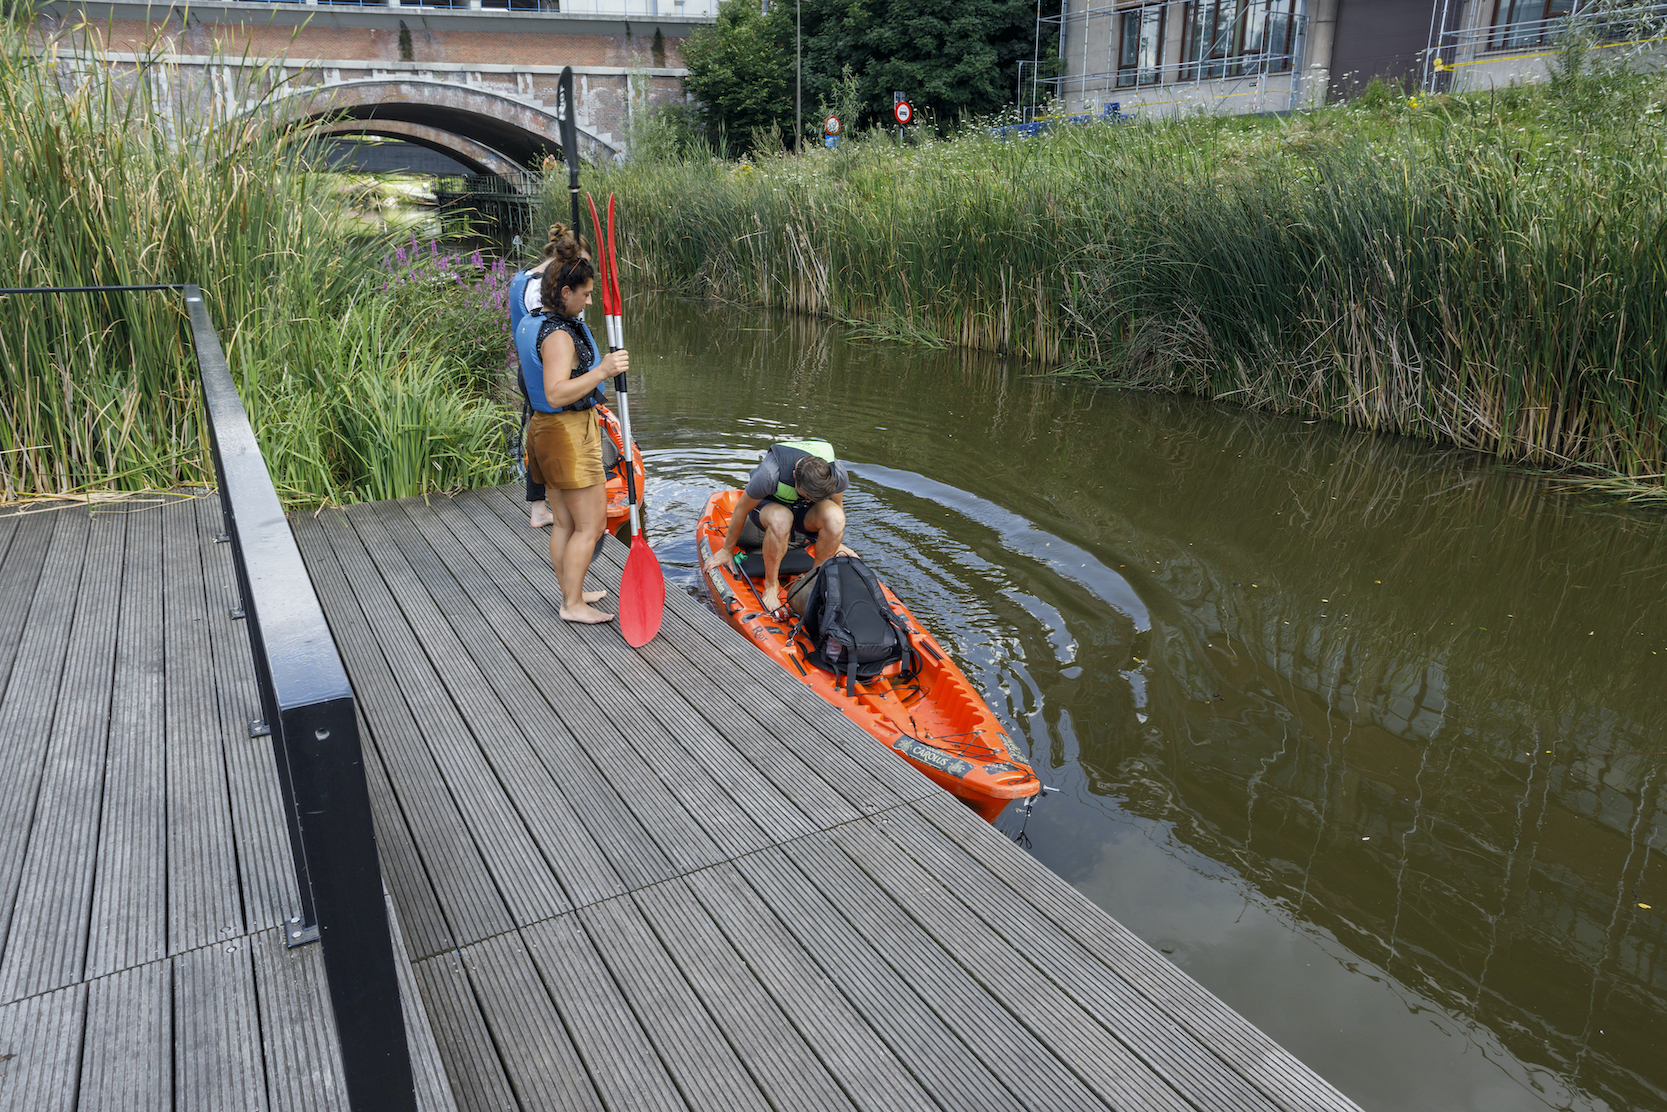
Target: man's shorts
<point x="799" y="536"/>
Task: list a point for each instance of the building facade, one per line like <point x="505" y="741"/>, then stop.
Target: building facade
<point x="1163" y="57"/>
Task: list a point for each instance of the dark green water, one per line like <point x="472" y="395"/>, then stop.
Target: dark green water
<point x="1367" y="737"/>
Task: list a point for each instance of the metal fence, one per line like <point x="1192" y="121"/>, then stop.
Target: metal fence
<point x="307" y="707"/>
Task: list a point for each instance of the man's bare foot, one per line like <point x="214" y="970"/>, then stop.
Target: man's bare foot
<point x="771" y="597"/>
<point x="538" y="514"/>
<point x="595" y="596"/>
<point x="584" y="615"/>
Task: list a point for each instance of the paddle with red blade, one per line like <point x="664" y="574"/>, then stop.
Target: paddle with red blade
<point x="642" y="586"/>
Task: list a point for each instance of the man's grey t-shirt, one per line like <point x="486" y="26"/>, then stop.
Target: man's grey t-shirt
<point x="762" y="483"/>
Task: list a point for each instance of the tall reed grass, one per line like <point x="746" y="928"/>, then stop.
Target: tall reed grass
<point x="100" y="186"/>
<point x="1487" y="271"/>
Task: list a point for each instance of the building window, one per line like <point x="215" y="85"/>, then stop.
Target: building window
<point x="1226" y="38"/>
<point x="1523" y="23"/>
<point x="1140" y="61"/>
<point x="1273" y="35"/>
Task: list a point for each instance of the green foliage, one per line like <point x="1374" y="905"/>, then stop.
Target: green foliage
<point x="1473" y="270"/>
<point x="954" y="59"/>
<point x="101" y="391"/>
<point x="951" y="57"/>
<point x="741" y="74"/>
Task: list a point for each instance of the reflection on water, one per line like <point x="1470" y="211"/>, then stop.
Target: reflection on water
<point x="1368" y="737"/>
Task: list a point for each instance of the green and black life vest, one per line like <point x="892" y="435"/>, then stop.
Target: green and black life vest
<point x="788" y="454"/>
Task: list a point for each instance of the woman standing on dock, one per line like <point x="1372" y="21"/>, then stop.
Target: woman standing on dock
<point x="563" y="372"/>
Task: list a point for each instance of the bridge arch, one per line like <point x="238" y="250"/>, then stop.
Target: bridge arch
<point x="499" y="134"/>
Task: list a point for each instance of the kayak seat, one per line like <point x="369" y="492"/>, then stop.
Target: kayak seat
<point x="796" y="562"/>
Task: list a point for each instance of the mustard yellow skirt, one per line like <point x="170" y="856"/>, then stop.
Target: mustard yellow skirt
<point x="564" y="450"/>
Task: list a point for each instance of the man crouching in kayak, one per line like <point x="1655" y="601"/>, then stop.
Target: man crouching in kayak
<point x="796" y="495"/>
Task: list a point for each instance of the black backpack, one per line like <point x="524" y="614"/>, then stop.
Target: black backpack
<point x="852" y="628"/>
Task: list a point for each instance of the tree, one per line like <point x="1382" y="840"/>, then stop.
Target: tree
<point x="951" y="57"/>
<point x="741" y="73"/>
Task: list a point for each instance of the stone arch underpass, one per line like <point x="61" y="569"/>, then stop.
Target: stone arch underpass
<point x="489" y="131"/>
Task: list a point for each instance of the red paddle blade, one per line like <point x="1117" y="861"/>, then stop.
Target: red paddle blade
<point x="601" y="258"/>
<point x="613" y="261"/>
<point x="642" y="594"/>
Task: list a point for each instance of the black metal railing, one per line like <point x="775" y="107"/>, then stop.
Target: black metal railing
<point x="307" y="707"/>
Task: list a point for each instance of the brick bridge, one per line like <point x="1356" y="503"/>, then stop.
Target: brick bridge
<point x="474" y="83"/>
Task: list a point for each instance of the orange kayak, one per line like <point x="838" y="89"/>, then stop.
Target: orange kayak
<point x="934" y="719"/>
<point x="613" y="457"/>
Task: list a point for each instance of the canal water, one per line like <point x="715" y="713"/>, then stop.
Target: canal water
<point x="1366" y="736"/>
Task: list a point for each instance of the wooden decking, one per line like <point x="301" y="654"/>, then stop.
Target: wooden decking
<point x="673" y="878"/>
<point x="144" y="864"/>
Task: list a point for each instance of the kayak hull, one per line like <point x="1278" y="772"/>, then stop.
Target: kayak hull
<point x="619" y="501"/>
<point x="934" y="719"/>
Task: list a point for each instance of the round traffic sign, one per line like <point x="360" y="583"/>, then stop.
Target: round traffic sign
<point x="831" y="125"/>
<point x="903" y="112"/>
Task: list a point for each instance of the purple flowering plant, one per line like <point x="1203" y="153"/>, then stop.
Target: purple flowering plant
<point x="463" y="297"/>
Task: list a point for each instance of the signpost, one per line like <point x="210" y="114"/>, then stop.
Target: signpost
<point x="830" y="131"/>
<point x="902" y="112"/>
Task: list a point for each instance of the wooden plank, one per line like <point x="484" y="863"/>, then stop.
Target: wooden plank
<point x="596" y="657"/>
<point x="428" y="1071"/>
<point x="473" y="1068"/>
<point x="693" y="1050"/>
<point x="32" y="699"/>
<point x="958" y="1074"/>
<point x="526" y="1028"/>
<point x="979" y="1019"/>
<point x="297" y="1026"/>
<point x="127" y="1056"/>
<point x="858" y="1058"/>
<point x="1108" y="1066"/>
<point x="40" y="1046"/>
<point x="645" y="800"/>
<point x="452" y="865"/>
<point x="522" y="877"/>
<point x="204" y="901"/>
<point x="1250" y="1051"/>
<point x="19" y="577"/>
<point x="671" y="734"/>
<point x="217" y="1037"/>
<point x="1189" y="1064"/>
<point x="531" y="686"/>
<point x="620" y="1060"/>
<point x="46" y="935"/>
<point x="129" y="919"/>
<point x="812" y="728"/>
<point x="265" y="866"/>
<point x="775" y="1054"/>
<point x="402" y="867"/>
<point x="473" y="665"/>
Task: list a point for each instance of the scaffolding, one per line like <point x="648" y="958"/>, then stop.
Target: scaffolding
<point x="1219" y="53"/>
<point x="1501" y="47"/>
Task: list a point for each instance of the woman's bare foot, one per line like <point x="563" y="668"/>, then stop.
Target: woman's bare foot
<point x="595" y="596"/>
<point x="538" y="514"/>
<point x="584" y="615"/>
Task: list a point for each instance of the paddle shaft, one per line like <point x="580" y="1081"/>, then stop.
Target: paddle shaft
<point x="570" y="140"/>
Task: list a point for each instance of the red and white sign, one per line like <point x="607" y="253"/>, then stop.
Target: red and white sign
<point x="831" y="125"/>
<point x="903" y="112"/>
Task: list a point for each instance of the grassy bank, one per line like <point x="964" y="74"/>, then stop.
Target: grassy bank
<point x="347" y="354"/>
<point x="1487" y="271"/>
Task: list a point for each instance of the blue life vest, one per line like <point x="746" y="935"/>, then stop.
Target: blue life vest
<point x="527" y="335"/>
<point x="518" y="298"/>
